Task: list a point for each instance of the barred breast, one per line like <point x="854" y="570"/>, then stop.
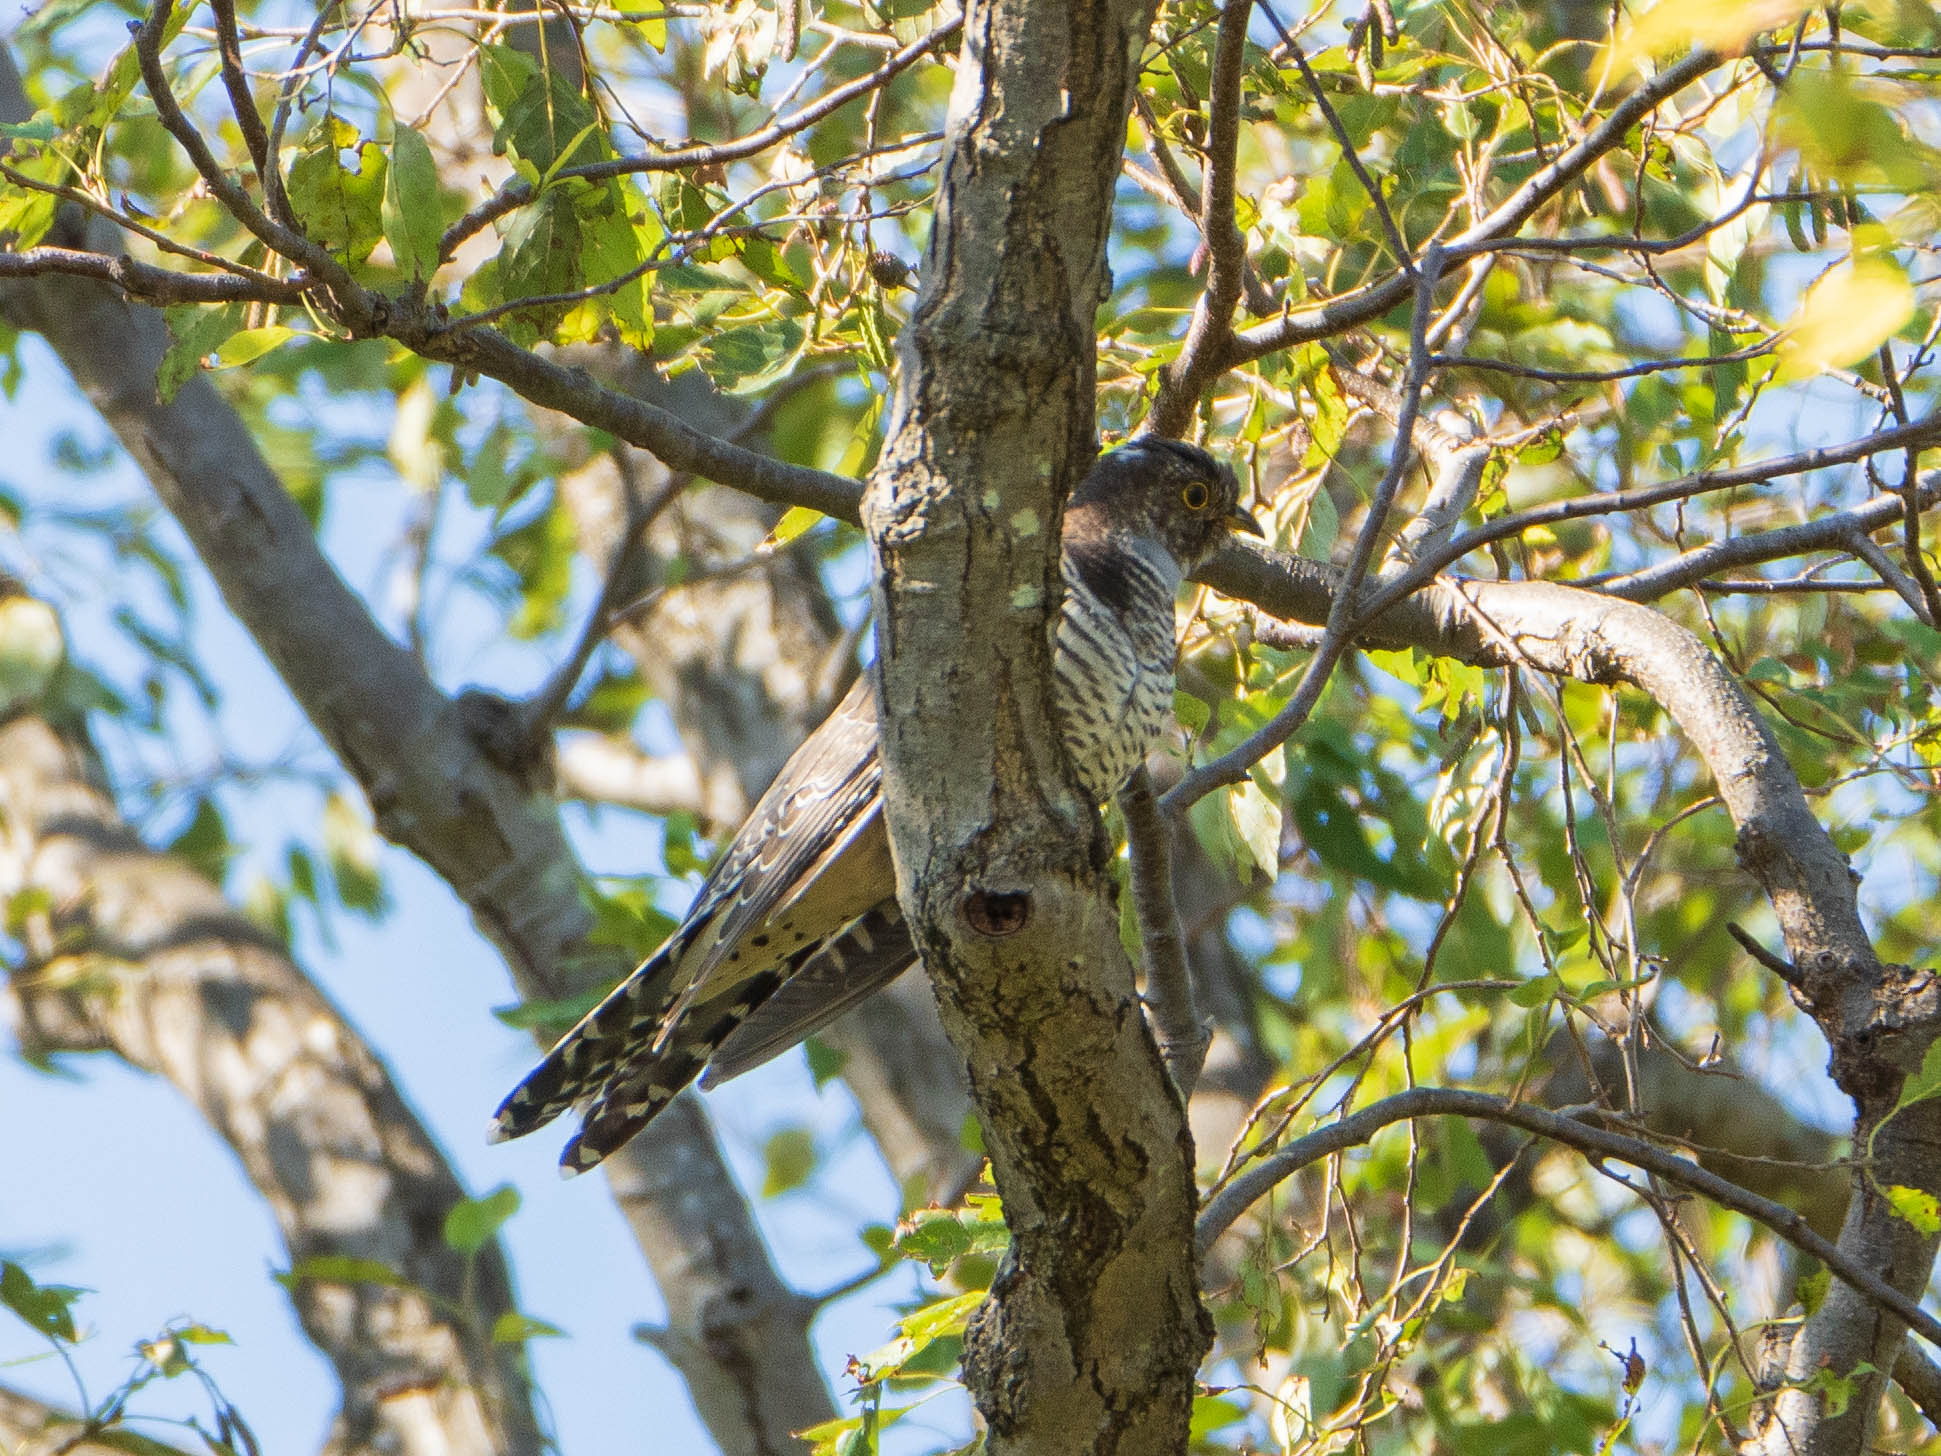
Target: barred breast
<point x="1113" y="665"/>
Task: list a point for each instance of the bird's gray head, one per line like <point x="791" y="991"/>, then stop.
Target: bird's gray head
<point x="1168" y="490"/>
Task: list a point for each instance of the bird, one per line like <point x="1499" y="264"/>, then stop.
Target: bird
<point x="798" y="921"/>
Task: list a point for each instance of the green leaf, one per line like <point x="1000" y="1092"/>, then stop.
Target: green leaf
<point x="825" y="1062"/>
<point x="351" y="845"/>
<point x="1213" y="1413"/>
<point x="340" y="1269"/>
<point x="1925" y="1083"/>
<point x="198" y="333"/>
<point x="204" y="842"/>
<point x="1323" y="526"/>
<point x="513" y="1328"/>
<point x="795" y="520"/>
<point x="47" y="1307"/>
<point x="1257" y="824"/>
<point x="1193" y="713"/>
<point x="411" y="212"/>
<point x="252" y="344"/>
<point x="939" y="1236"/>
<point x="747" y="359"/>
<point x="471" y="1225"/>
<point x="541" y="116"/>
<point x="1536" y="991"/>
<point x="339" y="205"/>
<point x="788" y="1159"/>
<point x="945" y="1317"/>
<point x="555" y="1017"/>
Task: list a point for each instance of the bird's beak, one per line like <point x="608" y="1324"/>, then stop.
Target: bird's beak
<point x="1240" y="520"/>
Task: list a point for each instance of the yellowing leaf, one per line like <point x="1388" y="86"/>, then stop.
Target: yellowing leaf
<point x="795" y="520"/>
<point x="1846" y="316"/>
<point x="1673" y="27"/>
<point x="1915" y="1206"/>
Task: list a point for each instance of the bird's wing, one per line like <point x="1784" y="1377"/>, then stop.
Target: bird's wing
<point x="866" y="957"/>
<point x="824" y="799"/>
<point x="823" y="807"/>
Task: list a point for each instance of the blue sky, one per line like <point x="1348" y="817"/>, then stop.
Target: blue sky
<point x="116" y="1185"/>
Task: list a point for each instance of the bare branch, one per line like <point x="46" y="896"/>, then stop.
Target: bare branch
<point x="1825" y="533"/>
<point x="1183" y="1038"/>
<point x="145" y="280"/>
<point x="1209" y="337"/>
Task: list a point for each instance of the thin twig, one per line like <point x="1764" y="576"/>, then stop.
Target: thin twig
<point x="1340" y="635"/>
<point x="1827" y="533"/>
<point x="517" y="194"/>
<point x="1226" y="1207"/>
<point x="348" y="294"/>
<point x="1202" y="358"/>
<point x="1923" y="432"/>
<point x="1369" y="185"/>
<point x="1601" y="376"/>
<point x="236" y="82"/>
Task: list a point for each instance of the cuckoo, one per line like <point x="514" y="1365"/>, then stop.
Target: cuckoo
<point x="798" y="920"/>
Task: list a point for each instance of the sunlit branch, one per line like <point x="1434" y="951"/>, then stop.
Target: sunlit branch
<point x="145" y="280"/>
<point x="1209" y="337"/>
<point x="1336" y="315"/>
<point x="1226" y="1207"/>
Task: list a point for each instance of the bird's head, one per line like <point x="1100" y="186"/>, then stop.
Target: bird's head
<point x="1167" y="490"/>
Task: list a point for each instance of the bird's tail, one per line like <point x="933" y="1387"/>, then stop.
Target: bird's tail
<point x="625" y="1061"/>
<point x="635" y="1090"/>
<point x="583" y="1061"/>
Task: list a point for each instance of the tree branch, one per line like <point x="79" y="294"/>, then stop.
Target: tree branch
<point x="1247" y="1188"/>
<point x="236" y="1026"/>
<point x="421" y="760"/>
<point x="1209" y="337"/>
<point x="1183" y="1038"/>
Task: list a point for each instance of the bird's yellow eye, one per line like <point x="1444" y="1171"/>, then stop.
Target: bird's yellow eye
<point x="1196" y="495"/>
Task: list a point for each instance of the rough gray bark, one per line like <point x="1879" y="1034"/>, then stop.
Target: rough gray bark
<point x="443" y="782"/>
<point x="1094" y="1329"/>
<point x="200" y="996"/>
